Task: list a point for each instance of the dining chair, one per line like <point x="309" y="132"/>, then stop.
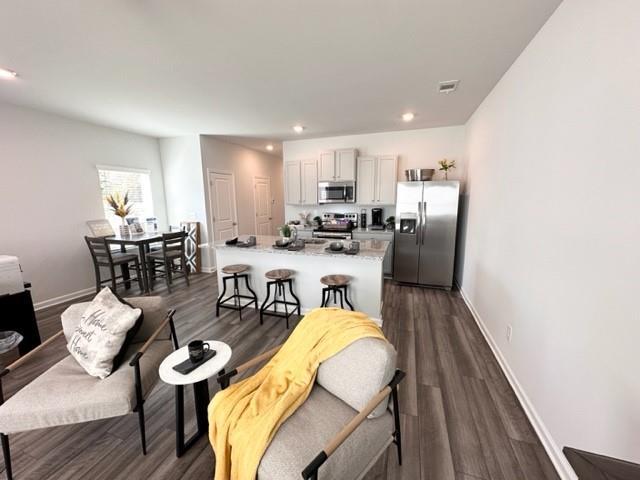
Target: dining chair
<point x="173" y="249"/>
<point x="103" y="257"/>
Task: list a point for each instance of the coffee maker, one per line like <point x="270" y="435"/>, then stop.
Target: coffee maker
<point x="377" y="222"/>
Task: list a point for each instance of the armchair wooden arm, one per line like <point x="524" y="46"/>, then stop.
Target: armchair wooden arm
<point x="224" y="378"/>
<point x="311" y="470"/>
<point x="27" y="356"/>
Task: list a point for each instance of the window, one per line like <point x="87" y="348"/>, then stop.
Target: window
<point x="122" y="180"/>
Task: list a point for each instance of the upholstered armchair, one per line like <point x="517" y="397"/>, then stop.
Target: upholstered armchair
<point x="66" y="394"/>
<point x="345" y="424"/>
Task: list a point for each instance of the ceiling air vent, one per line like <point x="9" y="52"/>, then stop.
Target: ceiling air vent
<point x="448" y="86"/>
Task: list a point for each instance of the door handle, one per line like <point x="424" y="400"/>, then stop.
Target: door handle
<point x="234" y="224"/>
<point x="419" y="229"/>
<point x="424" y="222"/>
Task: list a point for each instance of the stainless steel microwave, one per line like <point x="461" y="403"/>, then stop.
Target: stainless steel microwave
<point x="336" y="192"/>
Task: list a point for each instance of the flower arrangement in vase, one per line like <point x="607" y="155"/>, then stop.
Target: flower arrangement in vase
<point x="445" y="166"/>
<point x="121" y="208"/>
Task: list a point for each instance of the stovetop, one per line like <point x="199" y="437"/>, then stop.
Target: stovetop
<point x="340" y="222"/>
<point x="335" y="227"/>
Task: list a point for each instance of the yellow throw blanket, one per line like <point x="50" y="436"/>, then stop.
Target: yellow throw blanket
<point x="245" y="417"/>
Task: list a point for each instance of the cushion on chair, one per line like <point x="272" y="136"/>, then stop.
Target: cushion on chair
<point x="71" y="317"/>
<point x="155" y="311"/>
<point x="106" y="328"/>
<point x="303" y="435"/>
<point x="65" y="394"/>
<point x="358" y="372"/>
<point x="159" y="255"/>
<point x="154" y="308"/>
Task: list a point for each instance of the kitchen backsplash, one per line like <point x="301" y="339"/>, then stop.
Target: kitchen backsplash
<point x="292" y="211"/>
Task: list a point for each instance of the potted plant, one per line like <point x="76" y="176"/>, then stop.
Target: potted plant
<point x="445" y="166"/>
<point x="121" y="207"/>
<point x="285" y="231"/>
<point x="318" y="220"/>
<point x="390" y="222"/>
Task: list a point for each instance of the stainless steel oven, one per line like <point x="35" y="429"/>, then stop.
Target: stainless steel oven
<point x="333" y="235"/>
<point x="336" y="192"/>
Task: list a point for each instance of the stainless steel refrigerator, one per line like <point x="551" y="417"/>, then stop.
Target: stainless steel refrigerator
<point x="425" y="234"/>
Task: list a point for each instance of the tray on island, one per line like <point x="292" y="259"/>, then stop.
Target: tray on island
<point x="188" y="366"/>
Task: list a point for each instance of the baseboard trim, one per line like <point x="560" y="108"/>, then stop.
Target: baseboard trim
<point x="208" y="270"/>
<point x="555" y="453"/>
<point x="52" y="302"/>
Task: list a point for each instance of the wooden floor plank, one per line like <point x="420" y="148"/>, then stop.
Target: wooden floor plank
<point x="500" y="458"/>
<point x="436" y="461"/>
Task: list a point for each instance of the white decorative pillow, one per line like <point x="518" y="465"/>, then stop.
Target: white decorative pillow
<point x="101" y="334"/>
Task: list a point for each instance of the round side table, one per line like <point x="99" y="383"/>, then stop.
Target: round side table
<point x="198" y="378"/>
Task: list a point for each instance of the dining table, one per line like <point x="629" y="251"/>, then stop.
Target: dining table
<point x="143" y="242"/>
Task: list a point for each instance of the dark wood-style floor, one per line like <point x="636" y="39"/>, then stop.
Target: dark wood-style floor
<point x="460" y="419"/>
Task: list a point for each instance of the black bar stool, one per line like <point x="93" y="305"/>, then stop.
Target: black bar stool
<point x="235" y="272"/>
<point x="338" y="285"/>
<point x="279" y="278"/>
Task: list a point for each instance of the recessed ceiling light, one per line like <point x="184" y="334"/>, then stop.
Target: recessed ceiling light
<point x="407" y="117"/>
<point x="269" y="147"/>
<point x="8" y="74"/>
<point x="298" y="128"/>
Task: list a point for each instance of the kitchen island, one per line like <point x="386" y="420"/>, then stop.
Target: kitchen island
<point x="311" y="263"/>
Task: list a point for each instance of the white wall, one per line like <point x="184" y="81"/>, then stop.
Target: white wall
<point x="552" y="241"/>
<point x="245" y="163"/>
<point x="415" y="149"/>
<point x="49" y="188"/>
<point x="184" y="185"/>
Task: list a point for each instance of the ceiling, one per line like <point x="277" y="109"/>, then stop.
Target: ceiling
<point x="254" y="68"/>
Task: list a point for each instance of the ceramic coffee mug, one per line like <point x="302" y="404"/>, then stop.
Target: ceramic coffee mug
<point x="197" y="349"/>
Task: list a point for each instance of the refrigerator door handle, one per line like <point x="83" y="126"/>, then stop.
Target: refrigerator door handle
<point x="419" y="223"/>
<point x="423" y="221"/>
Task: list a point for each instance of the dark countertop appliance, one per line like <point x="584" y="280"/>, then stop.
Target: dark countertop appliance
<point x="377" y="221"/>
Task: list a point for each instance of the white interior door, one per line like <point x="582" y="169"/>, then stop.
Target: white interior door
<point x="262" y="205"/>
<point x="222" y="200"/>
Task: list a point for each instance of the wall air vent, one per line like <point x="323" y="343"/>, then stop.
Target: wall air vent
<point x="448" y="86"/>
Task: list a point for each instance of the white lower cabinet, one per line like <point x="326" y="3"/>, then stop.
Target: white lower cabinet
<point x="387" y="266"/>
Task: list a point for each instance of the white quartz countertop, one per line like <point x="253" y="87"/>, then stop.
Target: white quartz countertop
<point x="369" y="249"/>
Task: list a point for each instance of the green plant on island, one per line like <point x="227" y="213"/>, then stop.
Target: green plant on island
<point x="285" y="231"/>
<point x="318" y="220"/>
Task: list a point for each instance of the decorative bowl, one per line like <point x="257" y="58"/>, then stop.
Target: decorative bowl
<point x="336" y="246"/>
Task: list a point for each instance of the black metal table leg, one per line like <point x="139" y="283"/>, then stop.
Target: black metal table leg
<point x="201" y="396"/>
<point x="143" y="260"/>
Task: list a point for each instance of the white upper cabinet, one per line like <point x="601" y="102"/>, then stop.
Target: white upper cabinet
<point x="387" y="175"/>
<point x="377" y="178"/>
<point x="366" y="184"/>
<point x="292" y="183"/>
<point x="309" y="182"/>
<point x="327" y="166"/>
<point x="301" y="182"/>
<point x="346" y="164"/>
<point x="337" y="165"/>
